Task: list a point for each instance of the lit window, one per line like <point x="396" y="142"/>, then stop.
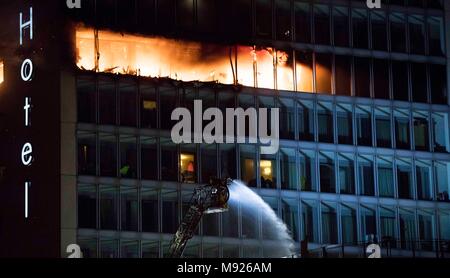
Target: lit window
<point x="1" y="72"/>
<point x="187" y="167"/>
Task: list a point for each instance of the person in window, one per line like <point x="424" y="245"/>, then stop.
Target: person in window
<point x="188" y="175"/>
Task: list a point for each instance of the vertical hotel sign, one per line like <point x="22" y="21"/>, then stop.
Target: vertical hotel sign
<point x="26" y="75"/>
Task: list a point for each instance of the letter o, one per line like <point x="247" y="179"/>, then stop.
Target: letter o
<point x="26" y="156"/>
<point x="26" y="71"/>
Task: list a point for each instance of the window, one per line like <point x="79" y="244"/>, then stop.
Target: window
<point x="128" y="157"/>
<point x="128" y="105"/>
<point x="379" y="30"/>
<point x="323" y="73"/>
<point x="263" y="18"/>
<point x="288" y="169"/>
<point x="388" y="225"/>
<point x="385" y="177"/>
<point x="421" y="131"/>
<point x="149" y="106"/>
<point x="149" y="158"/>
<point x="322" y="24"/>
<point x="416" y="34"/>
<point x="444" y="223"/>
<point x="206" y="16"/>
<point x="341" y="26"/>
<point x="343" y="78"/>
<point x="109" y="249"/>
<point x="440" y="132"/>
<point x="349" y="225"/>
<point x="169" y="160"/>
<point x="302" y="22"/>
<point x="228" y="161"/>
<point x="88" y="247"/>
<point x="419" y="82"/>
<point x="368" y="222"/>
<point x="150" y="210"/>
<point x="346" y="174"/>
<point x="188" y="164"/>
<point x="404" y="179"/>
<point x="166" y="15"/>
<point x="129" y="249"/>
<point x="307" y="171"/>
<point x="304" y="69"/>
<point x="436" y="42"/>
<point x="442" y="180"/>
<point x="344" y="124"/>
<point x="364" y="125"/>
<point x="248" y="164"/>
<point x="285" y="70"/>
<point x="306" y="120"/>
<point x="129" y="208"/>
<point x="108" y="207"/>
<point x="268" y="171"/>
<point x="170" y="211"/>
<point x="383" y="127"/>
<point x="325" y="120"/>
<point x="107" y="101"/>
<point x="230" y="227"/>
<point x="267" y="231"/>
<point x="381" y="78"/>
<point x="327" y="174"/>
<point x="360" y="28"/>
<point x="398" y="32"/>
<point x="407" y="228"/>
<point x="289" y="212"/>
<point x="185" y="14"/>
<point x="423" y="180"/>
<point x="366" y="175"/>
<point x="400" y="80"/>
<point x="208" y="162"/>
<point x="86" y="99"/>
<point x="287" y="118"/>
<point x="108" y="155"/>
<point x="438" y="84"/>
<point x="329" y="223"/>
<point x="402" y="130"/>
<point x="283" y="13"/>
<point x="362" y="77"/>
<point x="87" y="153"/>
<point x="87" y="206"/>
<point x="146" y="13"/>
<point x="310" y="216"/>
<point x="168" y="96"/>
<point x="426" y="229"/>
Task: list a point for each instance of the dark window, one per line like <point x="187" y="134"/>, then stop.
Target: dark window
<point x="165" y="15"/>
<point x="398" y="32"/>
<point x="146" y="14"/>
<point x="129" y="209"/>
<point x="346" y="174"/>
<point x="283" y="13"/>
<point x="128" y="105"/>
<point x="381" y="78"/>
<point x="322" y="24"/>
<point x="366" y="176"/>
<point x="228" y="161"/>
<point x="108" y="155"/>
<point x="287" y="119"/>
<point x="206" y="16"/>
<point x="364" y="126"/>
<point x="323" y="73"/>
<point x="208" y="162"/>
<point x="341" y="26"/>
<point x="436" y="36"/>
<point x="360" y="28"/>
<point x="362" y="77"/>
<point x="419" y="82"/>
<point x="404" y="181"/>
<point x="169" y="160"/>
<point x="86" y="154"/>
<point x="306" y="121"/>
<point x="86" y="99"/>
<point x="241" y="13"/>
<point x="127" y="10"/>
<point x="185" y="14"/>
<point x="105" y="12"/>
<point x="421" y="133"/>
<point x="149" y="158"/>
<point x="327" y="175"/>
<point x="108" y="208"/>
<point x="416" y="34"/>
<point x="383" y="128"/>
<point x="107" y="105"/>
<point x="402" y="131"/>
<point x="344" y="124"/>
<point x="302" y="22"/>
<point x="400" y="80"/>
<point x="438" y="84"/>
<point x="379" y="30"/>
<point x="168" y="96"/>
<point x="150" y="211"/>
<point x="170" y="212"/>
<point x="87" y="207"/>
<point x="264" y="18"/>
<point x="325" y="120"/>
<point x="343" y="75"/>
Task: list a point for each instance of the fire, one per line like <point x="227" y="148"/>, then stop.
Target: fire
<point x="185" y="60"/>
<point x="1" y="72"/>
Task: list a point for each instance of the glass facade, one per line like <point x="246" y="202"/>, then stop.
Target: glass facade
<point x="365" y="138"/>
